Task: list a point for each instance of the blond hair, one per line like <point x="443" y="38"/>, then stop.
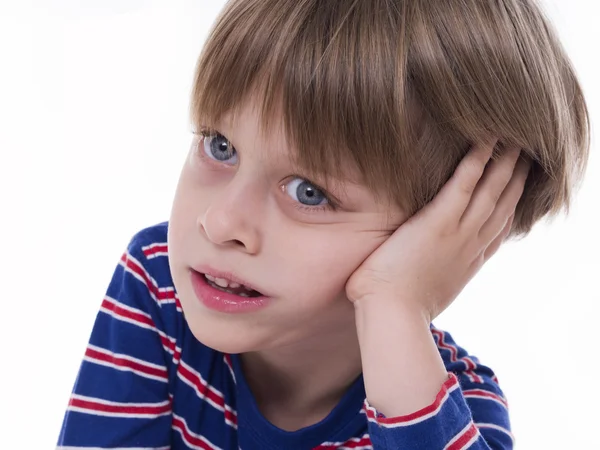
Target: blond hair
<point x="402" y="89"/>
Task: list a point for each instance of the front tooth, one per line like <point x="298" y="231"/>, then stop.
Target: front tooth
<point x="209" y="277"/>
<point x="221" y="282"/>
<point x="233" y="285"/>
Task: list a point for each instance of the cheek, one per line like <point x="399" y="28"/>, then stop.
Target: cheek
<point x="189" y="202"/>
<point x="194" y="189"/>
<point x="323" y="262"/>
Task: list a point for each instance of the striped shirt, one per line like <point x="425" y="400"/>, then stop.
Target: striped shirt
<point x="146" y="383"/>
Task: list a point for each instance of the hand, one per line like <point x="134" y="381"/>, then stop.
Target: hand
<point x="430" y="258"/>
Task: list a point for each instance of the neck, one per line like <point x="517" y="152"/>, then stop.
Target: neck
<point x="299" y="384"/>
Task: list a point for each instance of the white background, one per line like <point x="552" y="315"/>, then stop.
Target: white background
<point x="94" y="100"/>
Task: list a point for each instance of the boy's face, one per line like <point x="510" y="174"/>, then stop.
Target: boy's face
<point x="240" y="207"/>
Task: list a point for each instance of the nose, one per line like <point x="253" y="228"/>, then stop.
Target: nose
<point x="232" y="220"/>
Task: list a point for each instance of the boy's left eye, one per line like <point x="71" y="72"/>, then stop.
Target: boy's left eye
<point x="305" y="193"/>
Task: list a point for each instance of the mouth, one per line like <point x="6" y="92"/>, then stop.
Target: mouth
<point x="231" y="287"/>
<point x="224" y="292"/>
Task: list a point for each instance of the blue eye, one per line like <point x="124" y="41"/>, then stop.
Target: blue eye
<point x="305" y="193"/>
<point x="218" y="147"/>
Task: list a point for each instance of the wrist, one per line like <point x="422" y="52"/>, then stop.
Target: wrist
<point x="401" y="311"/>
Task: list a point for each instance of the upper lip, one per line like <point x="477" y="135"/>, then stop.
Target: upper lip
<point x="230" y="276"/>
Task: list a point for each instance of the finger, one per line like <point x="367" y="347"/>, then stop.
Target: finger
<point x="454" y="197"/>
<point x="507" y="203"/>
<point x="498" y="240"/>
<point x="494" y="181"/>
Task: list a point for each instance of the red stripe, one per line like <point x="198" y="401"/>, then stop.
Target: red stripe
<point x="136" y="268"/>
<point x="474" y="377"/>
<point x="122" y="362"/>
<point x="230" y="416"/>
<point x="208" y="393"/>
<point x="469" y="363"/>
<point x="362" y="442"/>
<point x="442" y="344"/>
<point x="171" y="347"/>
<point x="467" y="435"/>
<point x="155" y="249"/>
<point x="121" y="409"/>
<point x="137" y="317"/>
<point x="201" y="386"/>
<point x="439" y="399"/>
<point x="143" y="319"/>
<point x="487" y="394"/>
<point x="180" y="425"/>
<point x="168" y="343"/>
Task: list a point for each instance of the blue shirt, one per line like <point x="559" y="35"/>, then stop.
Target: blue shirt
<point x="147" y="383"/>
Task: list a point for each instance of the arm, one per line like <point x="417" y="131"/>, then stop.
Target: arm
<point x="121" y="396"/>
<point x="442" y="399"/>
<point x="407" y="282"/>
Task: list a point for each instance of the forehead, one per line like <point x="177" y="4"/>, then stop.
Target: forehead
<point x="245" y="124"/>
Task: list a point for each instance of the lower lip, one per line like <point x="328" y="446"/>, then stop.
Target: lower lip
<point x="221" y="301"/>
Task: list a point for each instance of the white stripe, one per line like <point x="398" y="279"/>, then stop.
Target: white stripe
<point x="461" y="434"/>
<point x="167" y="289"/>
<point x="148" y="277"/>
<point x="483" y="397"/>
<point x="230" y="368"/>
<point x="127" y="357"/>
<point x="115" y="366"/>
<point x="209" y="387"/>
<point x="168" y="349"/>
<point x="138" y="276"/>
<point x="150" y="247"/>
<point x="116" y="302"/>
<point x="152" y="281"/>
<point x="148" y="327"/>
<point x="498" y="428"/>
<point x="354" y="439"/>
<point x="111" y="403"/>
<point x="117" y="316"/>
<point x="202" y="380"/>
<point x="156" y="254"/>
<point x="197" y="436"/>
<point x="156" y="244"/>
<point x="125" y="369"/>
<point x="94" y="412"/>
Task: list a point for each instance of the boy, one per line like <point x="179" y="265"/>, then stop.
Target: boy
<point x="354" y="164"/>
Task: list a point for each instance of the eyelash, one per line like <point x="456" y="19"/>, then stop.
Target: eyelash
<point x="331" y="205"/>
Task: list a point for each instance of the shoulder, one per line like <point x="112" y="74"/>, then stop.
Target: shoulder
<point x="147" y="256"/>
<point x="150" y="242"/>
<point x="142" y="291"/>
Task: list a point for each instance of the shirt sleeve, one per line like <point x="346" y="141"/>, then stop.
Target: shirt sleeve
<point x="121" y="394"/>
<point x="470" y="410"/>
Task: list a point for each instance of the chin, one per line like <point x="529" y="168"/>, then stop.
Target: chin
<point x="231" y="338"/>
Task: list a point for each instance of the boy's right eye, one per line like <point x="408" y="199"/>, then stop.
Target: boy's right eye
<point x="217" y="147"/>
